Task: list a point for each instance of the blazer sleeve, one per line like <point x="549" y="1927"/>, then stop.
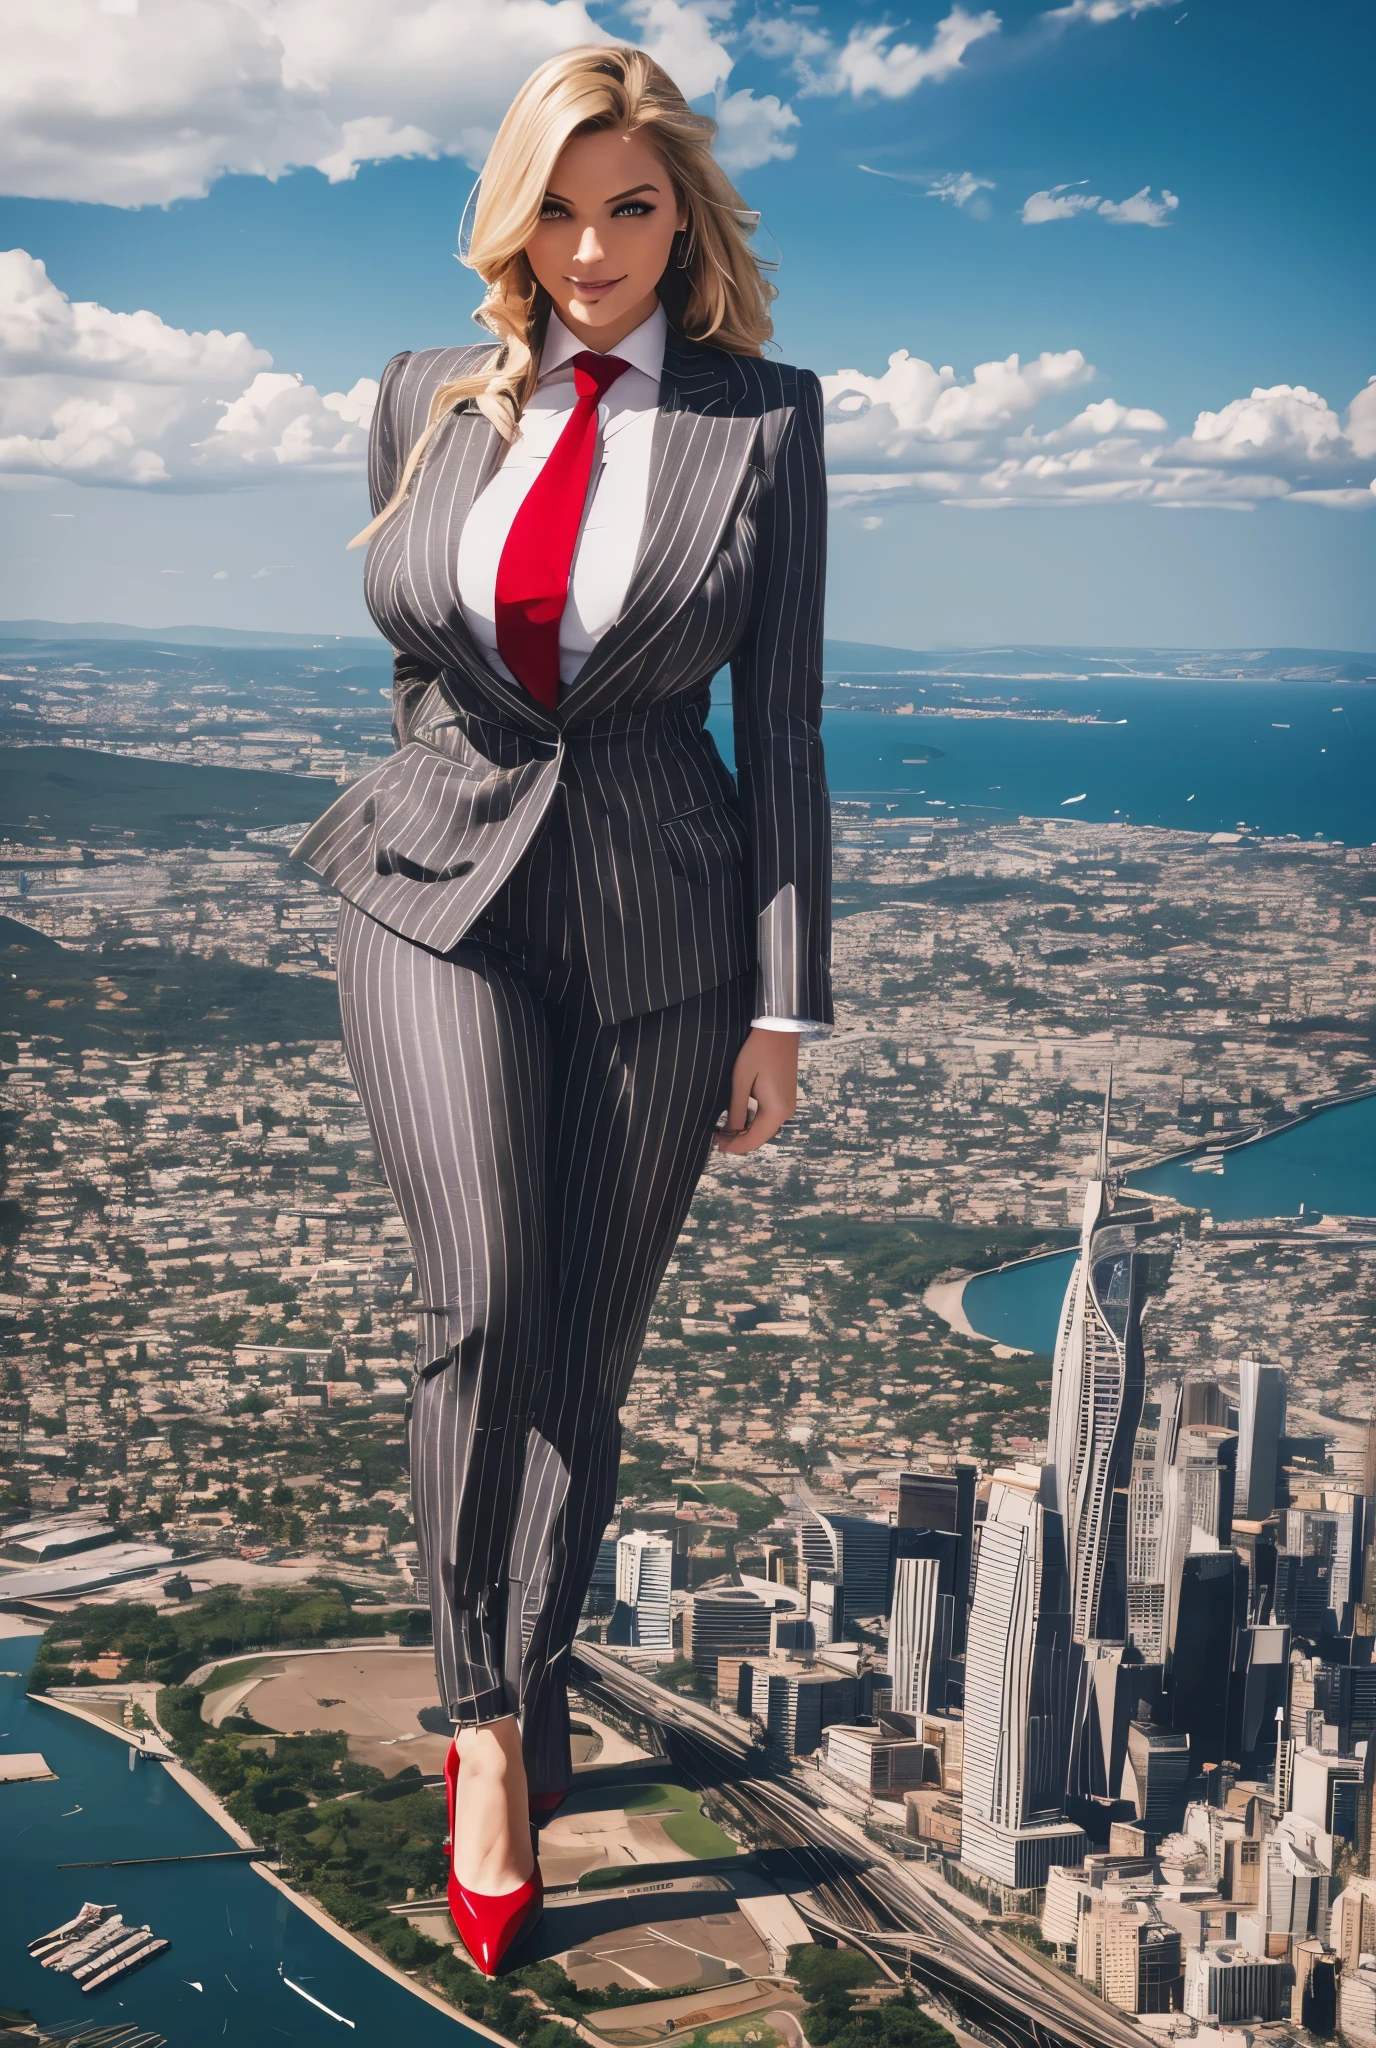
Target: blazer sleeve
<point x="386" y="458"/>
<point x="776" y="691"/>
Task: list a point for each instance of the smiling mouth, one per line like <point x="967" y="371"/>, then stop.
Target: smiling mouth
<point x="595" y="284"/>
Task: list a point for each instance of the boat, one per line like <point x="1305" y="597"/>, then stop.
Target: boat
<point x="125" y="1964"/>
<point x="81" y="1923"/>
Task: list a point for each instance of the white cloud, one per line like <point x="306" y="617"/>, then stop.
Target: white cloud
<point x="1063" y="202"/>
<point x="1106" y="416"/>
<point x="153" y="100"/>
<point x="870" y="61"/>
<point x="921" y="433"/>
<point x="1361" y="420"/>
<point x="1141" y="210"/>
<point x="752" y="131"/>
<point x="122" y="398"/>
<point x="682" y="36"/>
<point x="1104" y="10"/>
<point x="963" y="189"/>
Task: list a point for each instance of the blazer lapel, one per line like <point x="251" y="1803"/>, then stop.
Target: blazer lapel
<point x="452" y="478"/>
<point x="699" y="455"/>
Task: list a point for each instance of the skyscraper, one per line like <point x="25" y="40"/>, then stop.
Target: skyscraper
<point x="1260" y="1427"/>
<point x="1096" y="1403"/>
<point x="920" y="1632"/>
<point x="944" y="1501"/>
<point x="1097" y="1388"/>
<point x="1018" y="1664"/>
<point x="644" y="1574"/>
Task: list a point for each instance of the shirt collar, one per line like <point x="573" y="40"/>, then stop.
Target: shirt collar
<point x="643" y="348"/>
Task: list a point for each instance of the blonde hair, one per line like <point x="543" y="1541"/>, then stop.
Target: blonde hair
<point x="719" y="293"/>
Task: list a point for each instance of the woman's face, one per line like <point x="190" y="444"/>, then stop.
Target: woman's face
<point x="605" y="235"/>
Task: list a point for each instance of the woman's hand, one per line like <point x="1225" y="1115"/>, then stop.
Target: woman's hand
<point x="767" y="1069"/>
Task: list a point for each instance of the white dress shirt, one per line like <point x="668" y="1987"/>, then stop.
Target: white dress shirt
<point x="609" y="539"/>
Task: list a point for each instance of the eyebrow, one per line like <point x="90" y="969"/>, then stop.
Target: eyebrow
<point x="616" y="197"/>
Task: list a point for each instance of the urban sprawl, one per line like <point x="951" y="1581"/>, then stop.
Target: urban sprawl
<point x="1055" y="1671"/>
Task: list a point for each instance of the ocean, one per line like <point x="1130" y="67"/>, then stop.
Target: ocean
<point x="1278" y="757"/>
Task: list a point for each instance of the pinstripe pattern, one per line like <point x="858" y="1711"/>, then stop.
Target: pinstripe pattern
<point x="556" y="928"/>
<point x="543" y="1163"/>
<point x="682" y="878"/>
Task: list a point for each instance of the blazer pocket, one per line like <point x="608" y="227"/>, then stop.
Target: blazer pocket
<point x="431" y="812"/>
<point x="702" y="843"/>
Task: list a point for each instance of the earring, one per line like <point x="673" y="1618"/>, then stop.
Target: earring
<point x="684" y="246"/>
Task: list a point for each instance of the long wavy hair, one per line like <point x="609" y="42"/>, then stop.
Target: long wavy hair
<point x="713" y="289"/>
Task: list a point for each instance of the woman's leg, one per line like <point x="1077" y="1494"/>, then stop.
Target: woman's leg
<point x="451" y="1059"/>
<point x="631" y="1116"/>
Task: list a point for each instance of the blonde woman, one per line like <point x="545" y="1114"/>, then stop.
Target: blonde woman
<point x="569" y="942"/>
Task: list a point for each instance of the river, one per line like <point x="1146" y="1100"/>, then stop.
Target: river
<point x="231" y="1932"/>
<point x="1328" y="1164"/>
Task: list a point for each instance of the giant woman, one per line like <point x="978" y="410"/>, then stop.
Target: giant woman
<point x="573" y="953"/>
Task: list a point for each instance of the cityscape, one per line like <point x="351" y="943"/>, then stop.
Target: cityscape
<point x="957" y="1665"/>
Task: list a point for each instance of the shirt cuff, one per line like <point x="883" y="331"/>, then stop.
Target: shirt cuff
<point x="800" y="1024"/>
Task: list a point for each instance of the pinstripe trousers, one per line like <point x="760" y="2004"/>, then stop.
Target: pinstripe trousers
<point x="543" y="1163"/>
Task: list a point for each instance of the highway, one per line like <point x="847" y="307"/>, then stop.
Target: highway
<point x="852" y="1889"/>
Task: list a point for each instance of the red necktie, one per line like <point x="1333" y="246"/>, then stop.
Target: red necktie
<point x="537" y="559"/>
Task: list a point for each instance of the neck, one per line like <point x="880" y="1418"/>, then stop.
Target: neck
<point x="605" y="336"/>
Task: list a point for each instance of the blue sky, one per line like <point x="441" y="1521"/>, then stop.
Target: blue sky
<point x="1158" y="209"/>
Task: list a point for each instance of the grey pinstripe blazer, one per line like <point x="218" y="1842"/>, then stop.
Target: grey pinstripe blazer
<point x="682" y="879"/>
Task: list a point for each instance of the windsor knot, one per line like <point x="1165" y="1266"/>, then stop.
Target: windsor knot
<point x="593" y="374"/>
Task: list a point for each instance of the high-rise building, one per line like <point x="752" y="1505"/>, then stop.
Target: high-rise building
<point x="1128" y="1952"/>
<point x="726" y="1622"/>
<point x="944" y="1501"/>
<point x="601" y="1597"/>
<point x="1226" y="1983"/>
<point x="920" y="1632"/>
<point x="1296" y="1880"/>
<point x="861" y="1559"/>
<point x="1096" y="1403"/>
<point x="796" y="1706"/>
<point x="1353" y="1926"/>
<point x="1319" y="1577"/>
<point x="644" y="1577"/>
<point x="1146" y="1508"/>
<point x="1018" y="1668"/>
<point x="1260" y="1675"/>
<point x="1260" y="1427"/>
<point x="1212" y="1605"/>
<point x="1156" y="1776"/>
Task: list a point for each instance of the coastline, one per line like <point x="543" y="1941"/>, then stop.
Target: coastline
<point x="316" y="1912"/>
<point x="203" y="1797"/>
<point x="1235" y="1141"/>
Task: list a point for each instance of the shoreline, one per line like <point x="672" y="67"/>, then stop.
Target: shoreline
<point x="947" y="1298"/>
<point x="202" y="1796"/>
<point x="316" y="1912"/>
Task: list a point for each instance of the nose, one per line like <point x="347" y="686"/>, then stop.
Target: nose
<point x="589" y="247"/>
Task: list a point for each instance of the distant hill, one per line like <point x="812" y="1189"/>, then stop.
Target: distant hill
<point x="18" y="630"/>
<point x="77" y="793"/>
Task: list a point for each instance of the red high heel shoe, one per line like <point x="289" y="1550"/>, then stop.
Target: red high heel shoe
<point x="488" y="1925"/>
